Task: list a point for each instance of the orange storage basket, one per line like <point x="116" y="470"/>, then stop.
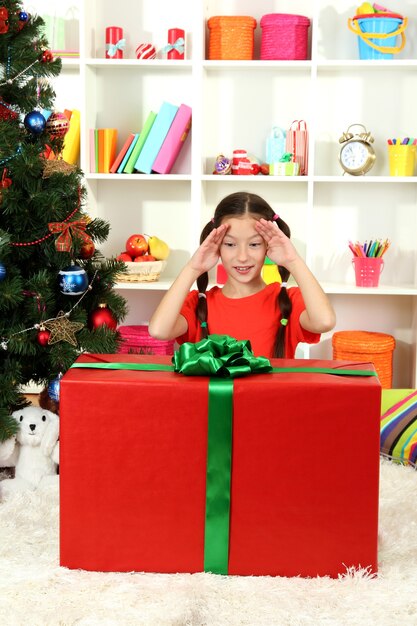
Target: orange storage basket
<point x="361" y="345"/>
<point x="231" y="37"/>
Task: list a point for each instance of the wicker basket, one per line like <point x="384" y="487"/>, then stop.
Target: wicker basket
<point x="231" y="37"/>
<point x="142" y="272"/>
<point x="361" y="345"/>
<point x="284" y="37"/>
<point x="137" y="340"/>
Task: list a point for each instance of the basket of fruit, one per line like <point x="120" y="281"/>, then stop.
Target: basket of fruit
<point x="144" y="257"/>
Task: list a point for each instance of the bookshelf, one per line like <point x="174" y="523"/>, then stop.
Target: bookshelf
<point x="235" y="104"/>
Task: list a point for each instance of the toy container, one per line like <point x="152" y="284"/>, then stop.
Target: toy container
<point x="364" y="346"/>
<point x="284" y="37"/>
<point x="377" y="34"/>
<point x="231" y="37"/>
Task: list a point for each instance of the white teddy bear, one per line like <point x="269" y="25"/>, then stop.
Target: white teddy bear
<point x="33" y="451"/>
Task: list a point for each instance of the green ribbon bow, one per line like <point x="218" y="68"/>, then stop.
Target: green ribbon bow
<point x="221" y="356"/>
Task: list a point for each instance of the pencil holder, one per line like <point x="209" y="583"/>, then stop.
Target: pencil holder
<point x="401" y="160"/>
<point x="367" y="271"/>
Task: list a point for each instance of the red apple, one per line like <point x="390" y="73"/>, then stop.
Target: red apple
<point x="136" y="245"/>
<point x="143" y="258"/>
<point x="124" y="256"/>
<point x="264" y="169"/>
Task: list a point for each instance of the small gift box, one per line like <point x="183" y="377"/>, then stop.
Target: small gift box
<point x="284" y="167"/>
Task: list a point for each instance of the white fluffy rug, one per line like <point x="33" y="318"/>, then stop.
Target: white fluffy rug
<point x="35" y="591"/>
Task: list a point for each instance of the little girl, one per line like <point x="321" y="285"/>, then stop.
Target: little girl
<point x="275" y="318"/>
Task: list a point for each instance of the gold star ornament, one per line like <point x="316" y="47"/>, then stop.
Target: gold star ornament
<point x="62" y="329"/>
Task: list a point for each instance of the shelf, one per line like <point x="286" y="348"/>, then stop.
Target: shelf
<point x="329" y="288"/>
<point x="235" y="105"/>
<point x="151" y="64"/>
<point x="154" y="178"/>
<point x="381" y="290"/>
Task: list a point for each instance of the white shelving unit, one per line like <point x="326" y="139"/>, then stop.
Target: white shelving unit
<point x="235" y="104"/>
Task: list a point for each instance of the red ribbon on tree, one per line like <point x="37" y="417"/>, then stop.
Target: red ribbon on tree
<point x="68" y="230"/>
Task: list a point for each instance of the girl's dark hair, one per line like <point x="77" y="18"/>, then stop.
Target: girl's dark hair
<point x="238" y="204"/>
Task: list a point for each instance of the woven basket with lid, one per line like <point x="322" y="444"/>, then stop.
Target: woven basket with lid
<point x="231" y="37"/>
<point x="284" y="37"/>
<point x="366" y="346"/>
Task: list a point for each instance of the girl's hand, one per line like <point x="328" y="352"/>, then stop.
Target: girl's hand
<point x="207" y="255"/>
<point x="279" y="247"/>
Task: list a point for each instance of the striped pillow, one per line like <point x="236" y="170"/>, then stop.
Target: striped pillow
<point x="399" y="425"/>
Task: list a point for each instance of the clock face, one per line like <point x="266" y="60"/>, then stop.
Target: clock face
<point x="356" y="157"/>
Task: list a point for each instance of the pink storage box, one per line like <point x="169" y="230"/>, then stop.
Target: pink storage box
<point x="284" y="37"/>
<point x="137" y="340"/>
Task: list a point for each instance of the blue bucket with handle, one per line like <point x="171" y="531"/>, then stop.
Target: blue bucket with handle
<point x="377" y="34"/>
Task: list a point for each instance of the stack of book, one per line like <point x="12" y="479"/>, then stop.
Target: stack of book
<point x="154" y="149"/>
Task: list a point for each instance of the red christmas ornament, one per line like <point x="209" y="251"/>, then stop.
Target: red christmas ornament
<point x="6" y="111"/>
<point x="5" y="181"/>
<point x="102" y="317"/>
<point x="4" y="20"/>
<point x="43" y="336"/>
<point x="87" y="250"/>
<point x="47" y="56"/>
<point x="57" y="125"/>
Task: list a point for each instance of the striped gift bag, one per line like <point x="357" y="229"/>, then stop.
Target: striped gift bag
<point x="297" y="144"/>
<point x="399" y="425"/>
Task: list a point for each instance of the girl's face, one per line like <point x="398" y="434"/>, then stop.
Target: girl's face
<point x="242" y="250"/>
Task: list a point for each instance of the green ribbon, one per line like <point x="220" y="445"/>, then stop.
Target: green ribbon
<point x="222" y="358"/>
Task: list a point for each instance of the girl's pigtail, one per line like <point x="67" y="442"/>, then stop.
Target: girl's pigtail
<point x="283" y="299"/>
<point x="285" y="307"/>
<point x="202" y="283"/>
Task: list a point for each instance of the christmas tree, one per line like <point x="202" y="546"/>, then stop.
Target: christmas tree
<point x="57" y="295"/>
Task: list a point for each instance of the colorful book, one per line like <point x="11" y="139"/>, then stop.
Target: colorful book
<point x="122" y="153"/>
<point x="156" y="137"/>
<point x="174" y="141"/>
<point x="71" y="150"/>
<point x="109" y="148"/>
<point x="96" y="148"/>
<point x="92" y="150"/>
<point x="130" y="165"/>
<point x="100" y="150"/>
<point x="128" y="153"/>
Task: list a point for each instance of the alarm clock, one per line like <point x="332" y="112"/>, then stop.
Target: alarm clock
<point x="357" y="155"/>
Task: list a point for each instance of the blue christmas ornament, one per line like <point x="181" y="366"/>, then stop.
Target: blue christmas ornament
<point x="2" y="272"/>
<point x="23" y="16"/>
<point x="73" y="280"/>
<point x="35" y="122"/>
<point x="54" y="387"/>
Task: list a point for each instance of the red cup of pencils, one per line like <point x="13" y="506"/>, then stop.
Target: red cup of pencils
<point x="368" y="262"/>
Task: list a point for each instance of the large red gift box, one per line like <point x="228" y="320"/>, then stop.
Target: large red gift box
<point x="304" y="476"/>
